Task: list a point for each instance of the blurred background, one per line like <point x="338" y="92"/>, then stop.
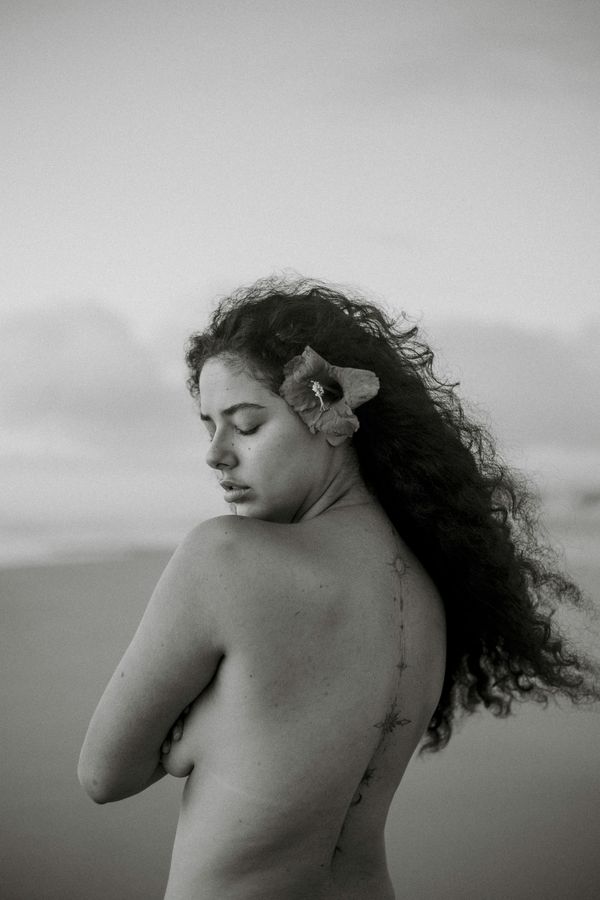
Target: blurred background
<point x="441" y="158"/>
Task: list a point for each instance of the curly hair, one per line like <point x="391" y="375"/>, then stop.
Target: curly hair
<point x="470" y="520"/>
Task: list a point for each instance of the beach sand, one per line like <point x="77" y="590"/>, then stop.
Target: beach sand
<point x="510" y="810"/>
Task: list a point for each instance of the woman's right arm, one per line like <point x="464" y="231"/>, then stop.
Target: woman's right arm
<point x="173" y="656"/>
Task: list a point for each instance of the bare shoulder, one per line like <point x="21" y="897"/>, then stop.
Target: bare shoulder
<point x="231" y="539"/>
<point x="228" y="529"/>
<point x="236" y="553"/>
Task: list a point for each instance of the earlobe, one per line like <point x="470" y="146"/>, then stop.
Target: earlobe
<point x="336" y="440"/>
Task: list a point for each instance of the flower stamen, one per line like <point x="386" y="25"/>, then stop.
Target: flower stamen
<point x="318" y="390"/>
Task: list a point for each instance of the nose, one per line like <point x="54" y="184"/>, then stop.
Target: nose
<point x="219" y="455"/>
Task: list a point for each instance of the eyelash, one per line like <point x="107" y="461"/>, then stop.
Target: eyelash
<point x="240" y="431"/>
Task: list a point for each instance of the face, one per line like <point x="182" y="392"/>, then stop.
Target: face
<point x="269" y="464"/>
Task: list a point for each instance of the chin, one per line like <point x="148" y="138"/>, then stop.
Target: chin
<point x="254" y="511"/>
<point x="253" y="508"/>
<point x="246" y="510"/>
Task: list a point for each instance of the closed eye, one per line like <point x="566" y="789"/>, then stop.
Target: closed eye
<point x="247" y="431"/>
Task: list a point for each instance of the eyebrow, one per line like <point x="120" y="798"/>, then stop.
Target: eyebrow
<point x="233" y="409"/>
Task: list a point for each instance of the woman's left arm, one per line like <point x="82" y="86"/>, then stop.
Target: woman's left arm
<point x="172" y="658"/>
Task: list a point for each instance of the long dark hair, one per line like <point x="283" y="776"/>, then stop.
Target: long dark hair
<point x="470" y="520"/>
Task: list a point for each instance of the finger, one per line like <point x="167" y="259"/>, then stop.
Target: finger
<point x="177" y="730"/>
<point x="166" y="746"/>
<point x="186" y="711"/>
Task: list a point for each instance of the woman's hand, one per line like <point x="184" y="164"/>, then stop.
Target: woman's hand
<point x="175" y="733"/>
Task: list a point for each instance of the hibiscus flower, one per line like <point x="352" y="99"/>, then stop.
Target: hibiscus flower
<point x="324" y="395"/>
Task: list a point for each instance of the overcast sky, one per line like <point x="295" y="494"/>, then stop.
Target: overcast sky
<point x="441" y="156"/>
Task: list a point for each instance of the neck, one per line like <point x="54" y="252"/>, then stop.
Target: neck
<point x="342" y="489"/>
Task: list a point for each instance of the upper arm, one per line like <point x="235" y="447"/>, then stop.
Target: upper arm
<point x="172" y="657"/>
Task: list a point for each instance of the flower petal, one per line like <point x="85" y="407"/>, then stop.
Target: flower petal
<point x="311" y="417"/>
<point x="300" y="372"/>
<point x="359" y="385"/>
<point x="338" y="419"/>
<point x="309" y="365"/>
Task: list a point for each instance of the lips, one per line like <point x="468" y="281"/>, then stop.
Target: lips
<point x="234" y="493"/>
<point x="232" y="485"/>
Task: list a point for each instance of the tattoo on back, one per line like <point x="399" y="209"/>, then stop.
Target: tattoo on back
<point x="391" y="720"/>
<point x="365" y="780"/>
<point x="398" y="565"/>
<point x="368" y="776"/>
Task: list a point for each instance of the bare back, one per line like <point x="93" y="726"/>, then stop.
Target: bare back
<point x="334" y="666"/>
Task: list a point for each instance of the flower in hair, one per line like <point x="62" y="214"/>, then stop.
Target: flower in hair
<point x="324" y="396"/>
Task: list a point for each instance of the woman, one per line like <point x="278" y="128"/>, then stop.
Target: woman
<point x="380" y="573"/>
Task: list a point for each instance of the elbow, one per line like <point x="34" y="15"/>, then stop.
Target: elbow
<point x="97" y="796"/>
<point x="94" y="790"/>
<point x="104" y="783"/>
<point x="92" y="786"/>
<point x="96" y="787"/>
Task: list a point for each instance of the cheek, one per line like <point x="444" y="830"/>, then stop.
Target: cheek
<point x="286" y="456"/>
<point x="300" y="462"/>
<point x="298" y="446"/>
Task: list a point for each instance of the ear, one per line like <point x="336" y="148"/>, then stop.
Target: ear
<point x="336" y="440"/>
